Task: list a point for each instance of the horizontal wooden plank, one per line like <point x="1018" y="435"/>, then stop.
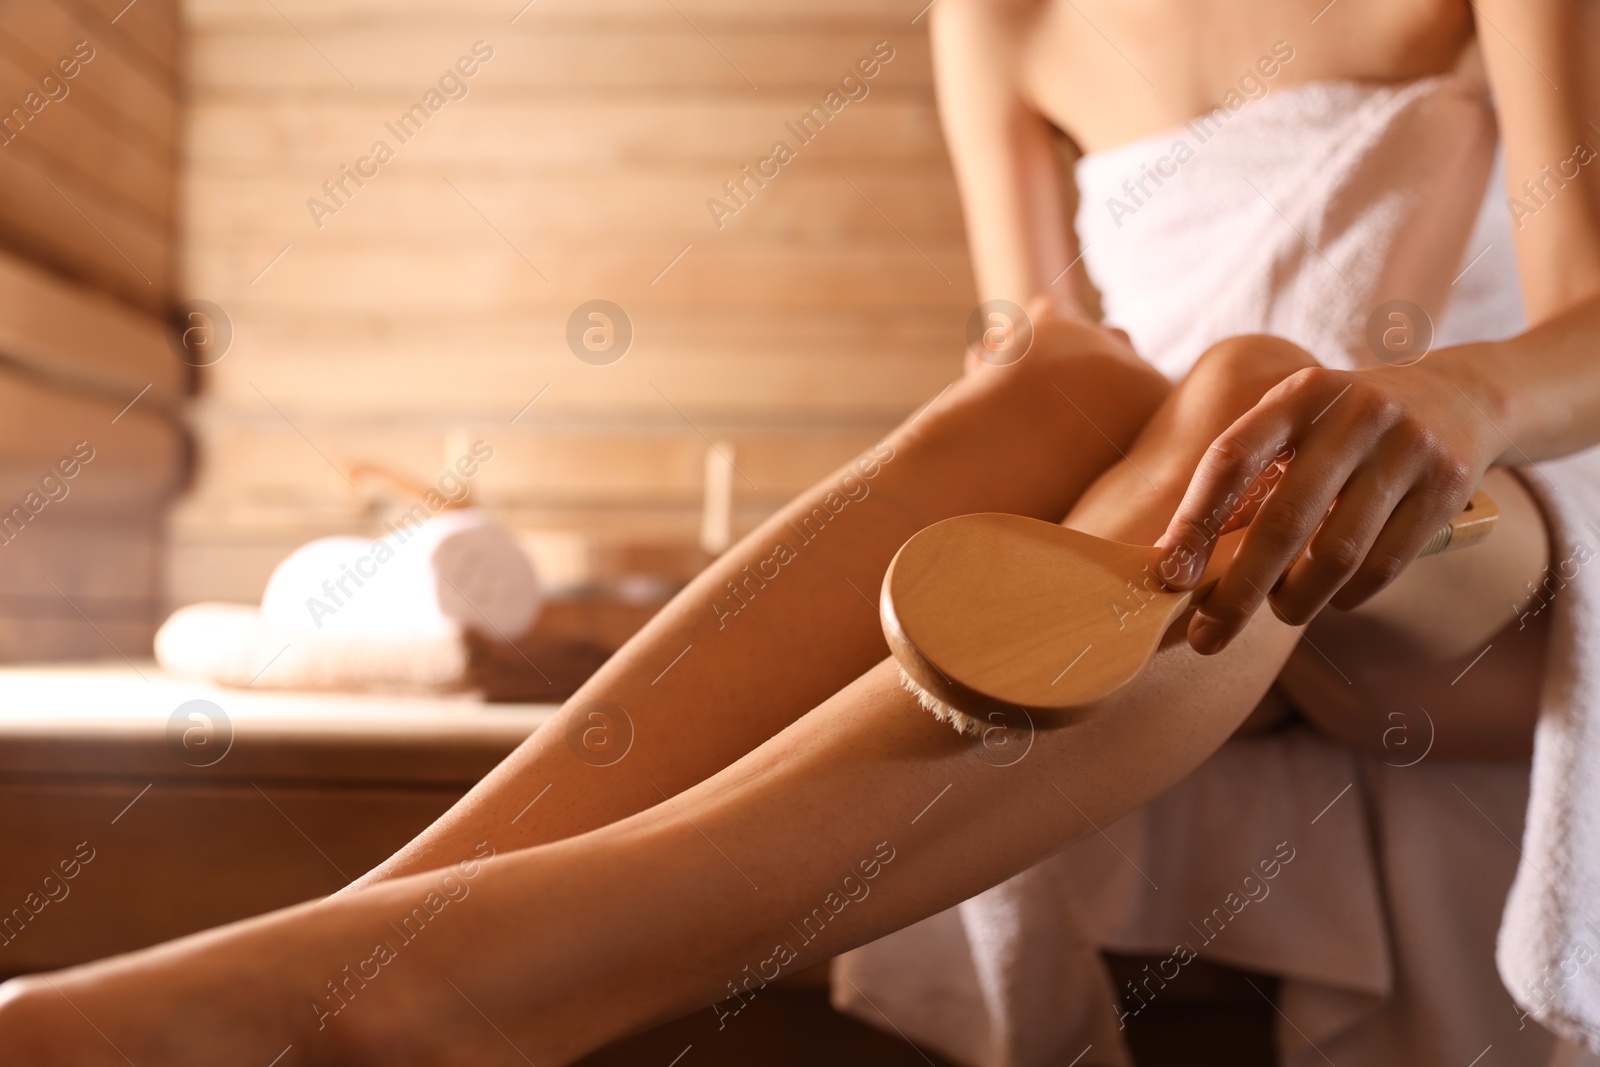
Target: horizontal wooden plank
<point x="663" y="463"/>
<point x="501" y="13"/>
<point x="820" y="205"/>
<point x="878" y="364"/>
<point x="104" y="495"/>
<point x="790" y="381"/>
<point x="495" y="279"/>
<point x="408" y="57"/>
<point x="270" y="531"/>
<point x="28" y="638"/>
<point x="210" y="558"/>
<point x="137" y="454"/>
<point x="87" y="141"/>
<point x="812" y="204"/>
<point x="150" y="27"/>
<point x="263" y="330"/>
<point x="70" y="228"/>
<point x="136" y="95"/>
<point x="312" y="137"/>
<point x="82" y="337"/>
<point x="105" y="565"/>
<point x="74" y="584"/>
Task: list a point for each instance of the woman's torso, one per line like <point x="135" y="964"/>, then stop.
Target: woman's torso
<point x="1111" y="71"/>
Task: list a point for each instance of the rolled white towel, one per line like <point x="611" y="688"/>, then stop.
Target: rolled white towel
<point x="230" y="644"/>
<point x="458" y="571"/>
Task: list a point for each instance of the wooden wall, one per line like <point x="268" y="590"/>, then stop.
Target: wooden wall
<point x="88" y="177"/>
<point x="89" y="126"/>
<point x="432" y="307"/>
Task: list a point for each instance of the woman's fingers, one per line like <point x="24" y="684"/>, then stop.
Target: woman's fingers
<point x="1412" y="525"/>
<point x="1341" y="548"/>
<point x="1233" y="477"/>
<point x="1283" y="525"/>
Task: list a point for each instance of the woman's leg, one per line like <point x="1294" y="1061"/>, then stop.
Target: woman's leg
<point x="857" y="819"/>
<point x="789" y="616"/>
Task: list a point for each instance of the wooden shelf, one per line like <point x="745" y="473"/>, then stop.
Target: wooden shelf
<point x="109" y="721"/>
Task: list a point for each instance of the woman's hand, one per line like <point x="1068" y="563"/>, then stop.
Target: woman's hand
<point x="1394" y="452"/>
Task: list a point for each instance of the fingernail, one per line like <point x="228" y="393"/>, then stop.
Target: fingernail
<point x="1206" y="638"/>
<point x="1178" y="567"/>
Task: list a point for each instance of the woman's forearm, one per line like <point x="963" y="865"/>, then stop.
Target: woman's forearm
<point x="1540" y="390"/>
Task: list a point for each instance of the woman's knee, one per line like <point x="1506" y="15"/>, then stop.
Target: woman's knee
<point x="1228" y="380"/>
<point x="1233" y="374"/>
<point x="1136" y="497"/>
<point x="1075" y="378"/>
<point x="1030" y="435"/>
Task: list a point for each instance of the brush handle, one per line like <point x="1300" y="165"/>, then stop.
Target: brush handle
<point x="1475" y="522"/>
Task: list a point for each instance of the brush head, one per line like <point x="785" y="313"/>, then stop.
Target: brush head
<point x="993" y="612"/>
<point x="962" y="722"/>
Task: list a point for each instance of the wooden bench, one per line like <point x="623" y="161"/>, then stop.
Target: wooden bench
<point x="310" y="792"/>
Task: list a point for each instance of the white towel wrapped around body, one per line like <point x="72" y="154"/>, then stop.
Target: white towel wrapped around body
<point x="1298" y="216"/>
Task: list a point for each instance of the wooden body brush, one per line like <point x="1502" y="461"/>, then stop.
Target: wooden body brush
<point x="993" y="612"/>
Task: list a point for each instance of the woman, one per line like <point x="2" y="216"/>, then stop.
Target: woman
<point x="783" y="798"/>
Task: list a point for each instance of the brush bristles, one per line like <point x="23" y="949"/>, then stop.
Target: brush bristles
<point x="960" y="720"/>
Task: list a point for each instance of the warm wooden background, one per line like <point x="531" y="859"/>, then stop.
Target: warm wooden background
<point x="417" y="318"/>
<point x="103" y="157"/>
<point x="87" y="254"/>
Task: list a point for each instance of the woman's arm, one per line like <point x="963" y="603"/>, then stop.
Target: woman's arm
<point x="1005" y="154"/>
<point x="1540" y="60"/>
<point x="1394" y="452"/>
